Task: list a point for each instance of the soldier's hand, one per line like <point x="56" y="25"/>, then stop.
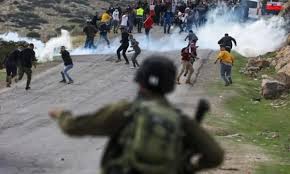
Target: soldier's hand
<point x="55" y="113"/>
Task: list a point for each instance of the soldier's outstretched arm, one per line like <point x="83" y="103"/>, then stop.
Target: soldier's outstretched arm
<point x="104" y="122"/>
<point x="197" y="139"/>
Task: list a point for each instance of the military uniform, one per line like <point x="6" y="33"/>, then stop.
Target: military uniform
<point x="148" y="135"/>
<point x="110" y="119"/>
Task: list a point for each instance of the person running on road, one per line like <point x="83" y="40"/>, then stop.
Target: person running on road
<point x="191" y="37"/>
<point x="10" y="64"/>
<point x="116" y="20"/>
<point x="68" y="65"/>
<point x="227" y="42"/>
<point x="185" y="65"/>
<point x="104" y="29"/>
<point x="124" y="21"/>
<point x="27" y="59"/>
<point x="148" y="23"/>
<point x="168" y="19"/>
<point x="124" y="45"/>
<point x="226" y="62"/>
<point x="90" y="30"/>
<point x="137" y="51"/>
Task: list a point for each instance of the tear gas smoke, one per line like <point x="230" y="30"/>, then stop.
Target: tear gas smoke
<point x="44" y="51"/>
<point x="254" y="38"/>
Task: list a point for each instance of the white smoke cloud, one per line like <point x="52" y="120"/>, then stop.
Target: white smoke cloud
<point x="52" y="46"/>
<point x="44" y="51"/>
<point x="254" y="38"/>
<point x="11" y="36"/>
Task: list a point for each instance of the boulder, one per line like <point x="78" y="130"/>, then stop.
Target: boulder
<point x="284" y="78"/>
<point x="258" y="62"/>
<point x="282" y="58"/>
<point x="272" y="89"/>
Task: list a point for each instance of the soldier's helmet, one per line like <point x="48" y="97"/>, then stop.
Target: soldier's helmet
<point x="157" y="74"/>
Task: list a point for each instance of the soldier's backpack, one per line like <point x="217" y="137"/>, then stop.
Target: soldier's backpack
<point x="152" y="140"/>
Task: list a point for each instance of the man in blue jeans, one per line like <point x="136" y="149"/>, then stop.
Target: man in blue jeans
<point x="227" y="61"/>
<point x="168" y="18"/>
<point x="68" y="64"/>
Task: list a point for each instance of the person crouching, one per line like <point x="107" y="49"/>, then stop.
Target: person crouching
<point x="68" y="64"/>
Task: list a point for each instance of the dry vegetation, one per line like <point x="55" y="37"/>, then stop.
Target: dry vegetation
<point x="46" y="17"/>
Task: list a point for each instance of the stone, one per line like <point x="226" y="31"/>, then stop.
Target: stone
<point x="272" y="89"/>
<point x="284" y="78"/>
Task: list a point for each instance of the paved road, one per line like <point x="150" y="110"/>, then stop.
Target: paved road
<point x="31" y="143"/>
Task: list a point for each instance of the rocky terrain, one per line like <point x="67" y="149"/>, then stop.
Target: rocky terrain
<point x="45" y="18"/>
<point x="278" y="82"/>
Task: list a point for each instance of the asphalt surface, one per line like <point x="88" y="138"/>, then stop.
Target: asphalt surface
<point x="31" y="143"/>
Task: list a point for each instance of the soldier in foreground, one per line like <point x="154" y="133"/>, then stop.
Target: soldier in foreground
<point x="147" y="135"/>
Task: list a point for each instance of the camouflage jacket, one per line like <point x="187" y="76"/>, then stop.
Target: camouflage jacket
<point x="108" y="120"/>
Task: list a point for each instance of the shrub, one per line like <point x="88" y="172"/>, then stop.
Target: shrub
<point x="77" y="20"/>
<point x="33" y="34"/>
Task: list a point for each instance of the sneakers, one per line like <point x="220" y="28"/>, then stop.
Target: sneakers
<point x="127" y="63"/>
<point x="27" y="88"/>
<point x="118" y="61"/>
<point x="62" y="81"/>
<point x="8" y="85"/>
<point x="70" y="82"/>
<point x="132" y="67"/>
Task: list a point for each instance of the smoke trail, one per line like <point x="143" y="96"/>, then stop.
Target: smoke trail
<point x="44" y="51"/>
<point x="52" y="46"/>
<point x="254" y="38"/>
<point x="11" y="36"/>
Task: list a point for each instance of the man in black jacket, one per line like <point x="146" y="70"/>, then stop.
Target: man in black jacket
<point x="10" y="64"/>
<point x="27" y="59"/>
<point x="90" y="30"/>
<point x="68" y="64"/>
<point x="104" y="29"/>
<point x="124" y="45"/>
<point x="227" y="42"/>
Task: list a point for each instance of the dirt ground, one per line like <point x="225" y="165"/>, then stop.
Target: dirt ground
<point x="39" y="69"/>
<point x="32" y="143"/>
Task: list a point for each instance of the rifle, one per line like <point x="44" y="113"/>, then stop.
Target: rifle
<point x="202" y="108"/>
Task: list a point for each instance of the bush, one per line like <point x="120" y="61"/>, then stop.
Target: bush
<point x="33" y="34"/>
<point x="61" y="9"/>
<point x="77" y="20"/>
<point x="25" y="8"/>
<point x="21" y="20"/>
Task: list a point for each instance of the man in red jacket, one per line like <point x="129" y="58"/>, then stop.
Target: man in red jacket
<point x="186" y="65"/>
<point x="148" y="23"/>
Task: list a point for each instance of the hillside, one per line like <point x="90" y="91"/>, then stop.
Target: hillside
<point x="46" y="17"/>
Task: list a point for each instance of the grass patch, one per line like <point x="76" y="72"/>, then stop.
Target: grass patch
<point x="2" y="75"/>
<point x="265" y="123"/>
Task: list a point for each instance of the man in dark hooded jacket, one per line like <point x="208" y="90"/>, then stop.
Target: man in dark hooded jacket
<point x="227" y="42"/>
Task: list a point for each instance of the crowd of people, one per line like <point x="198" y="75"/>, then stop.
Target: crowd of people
<point x="141" y="129"/>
